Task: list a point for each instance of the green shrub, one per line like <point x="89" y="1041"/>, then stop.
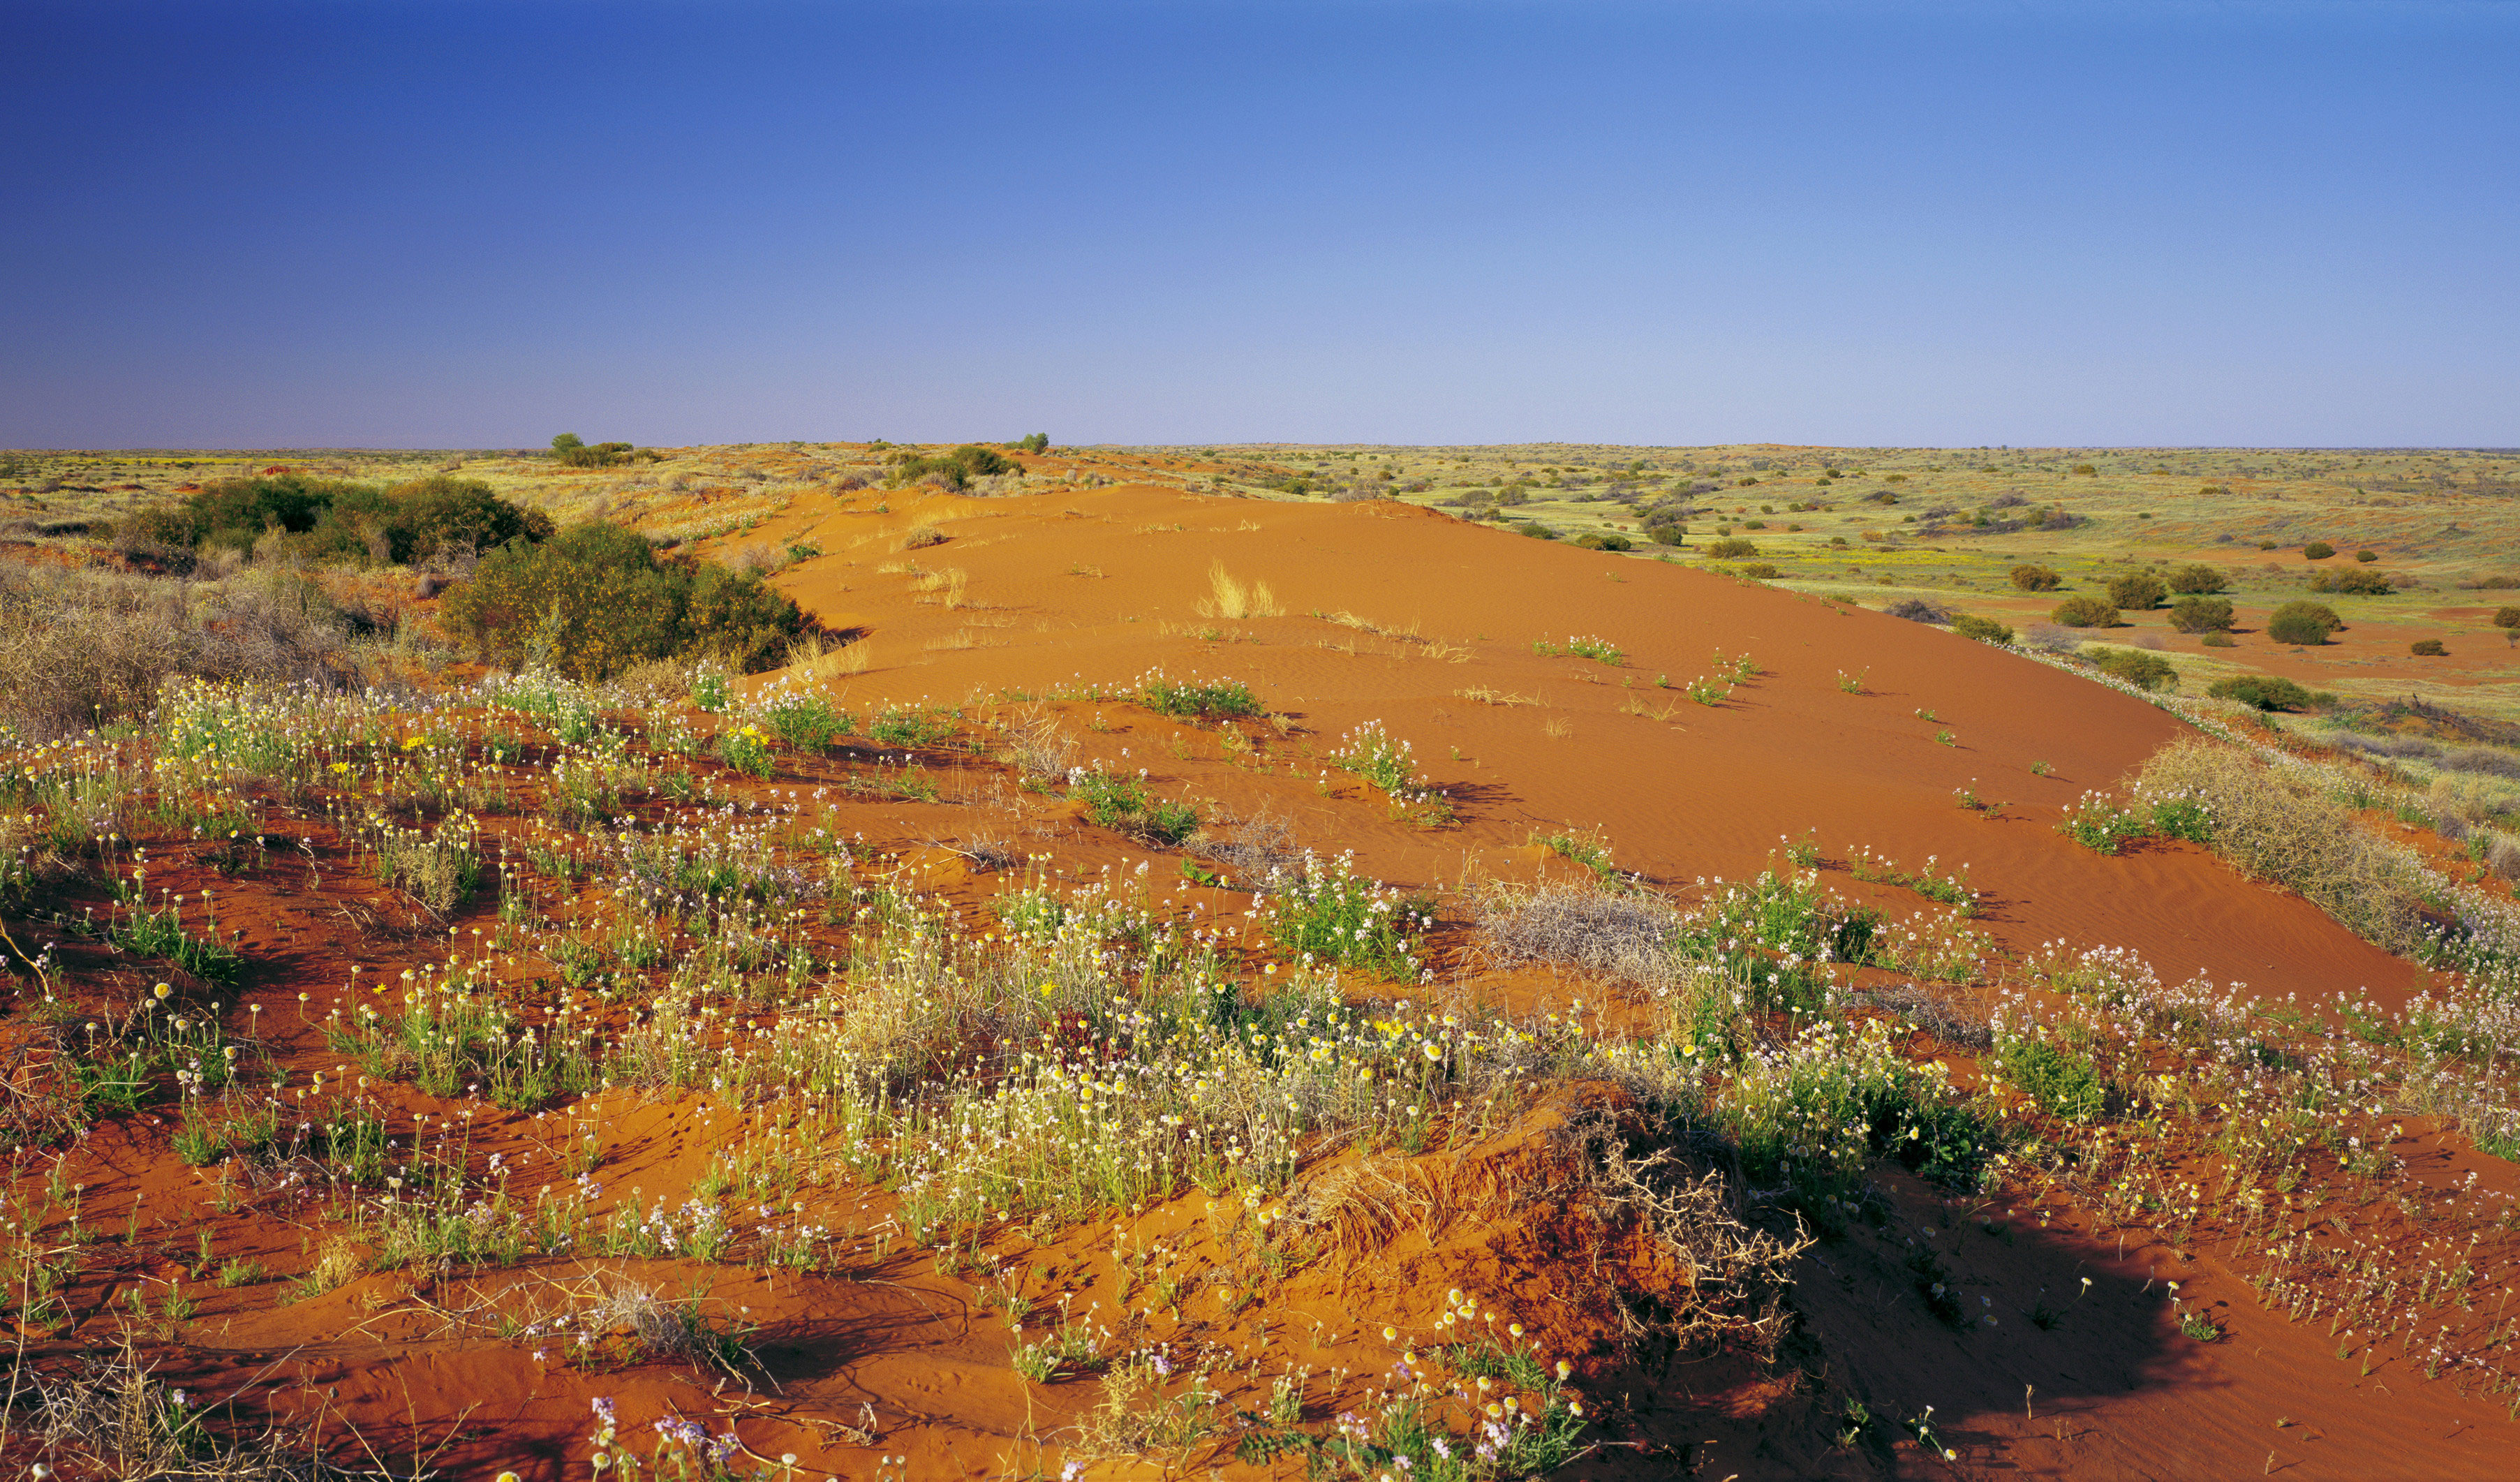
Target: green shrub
<point x="597" y="598"/>
<point x="2303" y="622"/>
<point x="1605" y="543"/>
<point x="2137" y="592"/>
<point x="2096" y="823"/>
<point x="2217" y="641"/>
<point x="2366" y="556"/>
<point x="2035" y="579"/>
<point x="2317" y="550"/>
<point x="2084" y="612"/>
<point x="1333" y="914"/>
<point x="746" y="750"/>
<point x="1760" y="571"/>
<point x="2064" y="1083"/>
<point x="1666" y="535"/>
<point x="325" y="519"/>
<point x="2353" y="581"/>
<point x="1811" y="1115"/>
<point x="575" y="452"/>
<point x="2135" y="666"/>
<point x="2267" y="691"/>
<point x="1983" y="629"/>
<point x="1125" y="804"/>
<point x="444" y="515"/>
<point x="2507" y="618"/>
<point x="1229" y="699"/>
<point x="1732" y="550"/>
<point x="804" y="718"/>
<point x="2200" y="615"/>
<point x="1535" y="529"/>
<point x="954" y="470"/>
<point x="2198" y="578"/>
<point x="1032" y="443"/>
<point x="2429" y="647"/>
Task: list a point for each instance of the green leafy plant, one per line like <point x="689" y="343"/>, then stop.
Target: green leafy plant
<point x="2307" y="623"/>
<point x="2064" y="1084"/>
<point x="2097" y="823"/>
<point x="599" y="598"/>
<point x="2137" y="592"/>
<point x="2084" y="612"/>
<point x="2200" y="615"/>
<point x="2138" y="667"/>
<point x="2267" y="691"/>
<point x="1223" y="698"/>
<point x="1598" y="649"/>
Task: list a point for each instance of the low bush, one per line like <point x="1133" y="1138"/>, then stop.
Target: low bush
<point x="1598" y="542"/>
<point x="1620" y="934"/>
<point x="1918" y="610"/>
<point x="952" y="470"/>
<point x="2135" y="666"/>
<point x="2217" y="641"/>
<point x="1732" y="550"/>
<point x="1535" y="529"/>
<point x="2084" y="612"/>
<point x="1224" y="698"/>
<point x="2303" y="622"/>
<point x="2317" y="550"/>
<point x="2201" y="614"/>
<point x="2197" y="578"/>
<point x="2429" y="647"/>
<point x="2137" y="592"/>
<point x="2353" y="581"/>
<point x="2366" y="556"/>
<point x="2267" y="691"/>
<point x="599" y="598"/>
<point x="1760" y="571"/>
<point x="1124" y="803"/>
<point x="326" y="520"/>
<point x="2508" y="620"/>
<point x="2035" y="579"/>
<point x="576" y="452"/>
<point x="1983" y="629"/>
<point x="2064" y="1084"/>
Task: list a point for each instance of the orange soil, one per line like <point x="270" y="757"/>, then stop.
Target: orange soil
<point x="1098" y="586"/>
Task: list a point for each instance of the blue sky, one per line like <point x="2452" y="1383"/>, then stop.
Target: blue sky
<point x="383" y="224"/>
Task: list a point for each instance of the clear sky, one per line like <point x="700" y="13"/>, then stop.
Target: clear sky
<point x="366" y="223"/>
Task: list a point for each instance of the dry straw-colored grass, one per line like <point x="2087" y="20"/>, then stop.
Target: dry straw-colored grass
<point x="1232" y="599"/>
<point x="77" y="647"/>
<point x="2280" y="826"/>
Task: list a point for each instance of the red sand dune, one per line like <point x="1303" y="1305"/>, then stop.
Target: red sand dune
<point x="1078" y="587"/>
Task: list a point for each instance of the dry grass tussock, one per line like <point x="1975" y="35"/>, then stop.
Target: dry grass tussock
<point x="1038" y="745"/>
<point x="1253" y="851"/>
<point x="1623" y="937"/>
<point x="111" y="1417"/>
<point x="2281" y="826"/>
<point x="80" y="647"/>
<point x="1232" y="600"/>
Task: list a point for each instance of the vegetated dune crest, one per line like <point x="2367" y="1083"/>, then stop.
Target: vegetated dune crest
<point x="1566" y="711"/>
